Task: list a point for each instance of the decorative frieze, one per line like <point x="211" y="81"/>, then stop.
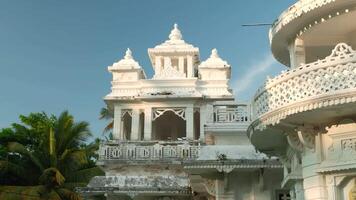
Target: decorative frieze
<point x="149" y="151"/>
<point x="349" y="145"/>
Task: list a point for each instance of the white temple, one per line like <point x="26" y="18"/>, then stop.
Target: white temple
<point x="181" y="134"/>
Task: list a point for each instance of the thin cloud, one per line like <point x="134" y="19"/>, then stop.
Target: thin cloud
<point x="255" y="70"/>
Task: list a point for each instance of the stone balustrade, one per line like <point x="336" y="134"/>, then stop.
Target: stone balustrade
<point x="232" y="114"/>
<point x="323" y="83"/>
<point x="149" y="150"/>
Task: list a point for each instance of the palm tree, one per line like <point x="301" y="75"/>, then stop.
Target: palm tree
<point x="105" y="114"/>
<point x="45" y="148"/>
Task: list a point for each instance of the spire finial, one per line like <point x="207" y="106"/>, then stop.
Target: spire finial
<point x="128" y="54"/>
<point x="214" y="53"/>
<point x="175" y="33"/>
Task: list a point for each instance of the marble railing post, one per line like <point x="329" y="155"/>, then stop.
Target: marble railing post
<point x="117" y="134"/>
<point x="135" y="127"/>
<point x="148" y="124"/>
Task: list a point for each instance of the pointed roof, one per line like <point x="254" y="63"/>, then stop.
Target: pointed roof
<point x="127" y="62"/>
<point x="174" y="43"/>
<point x="214" y="61"/>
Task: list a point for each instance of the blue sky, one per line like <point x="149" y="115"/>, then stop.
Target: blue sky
<point x="54" y="54"/>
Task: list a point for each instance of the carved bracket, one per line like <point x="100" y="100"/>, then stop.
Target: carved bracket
<point x="306" y="135"/>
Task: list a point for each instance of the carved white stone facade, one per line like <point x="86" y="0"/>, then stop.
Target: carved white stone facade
<point x="180" y="134"/>
<point x="306" y="115"/>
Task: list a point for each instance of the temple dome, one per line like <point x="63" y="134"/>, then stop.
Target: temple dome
<point x="214" y="61"/>
<point x="175" y="42"/>
<point x="127" y="62"/>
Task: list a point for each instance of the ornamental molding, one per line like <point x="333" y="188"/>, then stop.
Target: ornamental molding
<point x="324" y="83"/>
<point x="295" y="11"/>
<point x="322" y="20"/>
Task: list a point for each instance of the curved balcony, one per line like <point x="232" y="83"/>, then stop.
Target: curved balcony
<point x="315" y="87"/>
<point x="302" y="16"/>
<point x="147" y="152"/>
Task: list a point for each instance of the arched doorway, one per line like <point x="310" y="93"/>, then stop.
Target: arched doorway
<point x="169" y="126"/>
<point x="126" y="125"/>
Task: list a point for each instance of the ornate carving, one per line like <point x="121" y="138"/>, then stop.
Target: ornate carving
<point x="124" y="112"/>
<point x="306" y="135"/>
<point x="209" y="185"/>
<point x="295" y="90"/>
<point x="294" y="142"/>
<point x="180" y="112"/>
<point x="169" y="73"/>
<point x="349" y="145"/>
<point x="240" y="113"/>
<point x="151" y="151"/>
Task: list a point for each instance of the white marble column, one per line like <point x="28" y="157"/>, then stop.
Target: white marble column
<point x="158" y="64"/>
<point x="117" y="134"/>
<point x="189" y="118"/>
<point x="148" y="124"/>
<point x="181" y="64"/>
<point x="313" y="183"/>
<point x="203" y="118"/>
<point x="167" y="62"/>
<point x="135" y="126"/>
<point x="298" y="189"/>
<point x="296" y="53"/>
<point x="190" y="69"/>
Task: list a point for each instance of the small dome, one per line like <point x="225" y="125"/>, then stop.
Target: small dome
<point x="175" y="33"/>
<point x="127" y="62"/>
<point x="214" y="61"/>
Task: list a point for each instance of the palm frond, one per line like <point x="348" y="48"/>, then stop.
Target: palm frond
<point x="19" y="148"/>
<point x="9" y="167"/>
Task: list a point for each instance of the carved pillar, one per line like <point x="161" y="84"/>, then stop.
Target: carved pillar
<point x="181" y="64"/>
<point x="117" y="134"/>
<point x="190" y="67"/>
<point x="189" y="118"/>
<point x="203" y="117"/>
<point x="148" y="124"/>
<point x="313" y="182"/>
<point x="167" y="62"/>
<point x="297" y="53"/>
<point x="135" y="126"/>
<point x="298" y="190"/>
<point x="158" y="63"/>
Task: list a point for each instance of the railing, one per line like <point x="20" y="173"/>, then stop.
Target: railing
<point x="295" y="11"/>
<point x="307" y="87"/>
<point x="149" y="150"/>
<point x="232" y="114"/>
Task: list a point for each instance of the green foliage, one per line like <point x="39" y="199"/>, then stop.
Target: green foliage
<point x="105" y="114"/>
<point x="48" y="151"/>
